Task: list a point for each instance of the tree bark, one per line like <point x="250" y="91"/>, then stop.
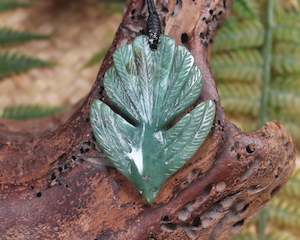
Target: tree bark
<point x="50" y="188"/>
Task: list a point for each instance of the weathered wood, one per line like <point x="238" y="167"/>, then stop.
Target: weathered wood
<point x="51" y="190"/>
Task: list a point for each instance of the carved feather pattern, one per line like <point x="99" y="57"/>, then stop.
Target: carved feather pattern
<point x="152" y="88"/>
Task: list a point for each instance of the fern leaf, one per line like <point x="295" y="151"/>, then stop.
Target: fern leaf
<point x="289" y="48"/>
<point x="11" y="63"/>
<point x="287" y="34"/>
<point x="283" y="214"/>
<point x="244" y="122"/>
<point x="238" y="66"/>
<point x="281" y="234"/>
<point x="290" y="83"/>
<point x="239" y="34"/>
<point x="284" y="64"/>
<point x="294" y="129"/>
<point x="292" y="188"/>
<point x="292" y="126"/>
<point x="246" y="9"/>
<point x="289" y="117"/>
<point x="288" y="19"/>
<point x="284" y="99"/>
<point x="283" y="90"/>
<point x="151" y="88"/>
<point x="25" y="112"/>
<point x="6" y="5"/>
<point x="247" y="106"/>
<point x="12" y="37"/>
<point x="235" y="63"/>
<point x="246" y="96"/>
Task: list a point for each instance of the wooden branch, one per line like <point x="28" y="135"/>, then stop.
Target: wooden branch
<point x="50" y="188"/>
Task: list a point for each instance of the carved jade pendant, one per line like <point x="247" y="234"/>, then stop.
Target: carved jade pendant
<point x="150" y="140"/>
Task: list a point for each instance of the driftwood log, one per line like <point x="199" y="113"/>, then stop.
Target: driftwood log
<point x="50" y="188"/>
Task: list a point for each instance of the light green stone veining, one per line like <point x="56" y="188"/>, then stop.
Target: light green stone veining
<point x="151" y="89"/>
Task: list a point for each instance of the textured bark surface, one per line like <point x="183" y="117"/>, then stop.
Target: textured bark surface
<point x="50" y="188"/>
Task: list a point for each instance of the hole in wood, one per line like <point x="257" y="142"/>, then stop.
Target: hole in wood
<point x="53" y="176"/>
<point x="239" y="224"/>
<point x="169" y="227"/>
<point x="184" y="38"/>
<point x="196" y="222"/>
<point x="207" y="189"/>
<point x="250" y="148"/>
<point x="241" y="207"/>
<point x="39" y="194"/>
<point x="165" y="219"/>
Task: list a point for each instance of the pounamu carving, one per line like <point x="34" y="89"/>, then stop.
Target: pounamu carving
<point x="152" y="88"/>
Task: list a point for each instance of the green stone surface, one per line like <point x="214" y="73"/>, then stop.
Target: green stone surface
<point x="151" y="89"/>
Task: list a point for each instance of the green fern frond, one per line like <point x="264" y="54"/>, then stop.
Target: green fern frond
<point x="247" y="97"/>
<point x="233" y="63"/>
<point x="247" y="106"/>
<point x="238" y="66"/>
<point x="284" y="214"/>
<point x="244" y="122"/>
<point x="12" y="63"/>
<point x="239" y="34"/>
<point x="11" y="37"/>
<point x="289" y="48"/>
<point x="288" y="19"/>
<point x="6" y="5"/>
<point x="284" y="99"/>
<point x="25" y="112"/>
<point x="282" y="91"/>
<point x="294" y="129"/>
<point x="285" y="115"/>
<point x="246" y="9"/>
<point x="287" y="34"/>
<point x="281" y="235"/>
<point x="284" y="63"/>
<point x="292" y="188"/>
<point x="290" y="83"/>
<point x="239" y="90"/>
<point x="290" y="119"/>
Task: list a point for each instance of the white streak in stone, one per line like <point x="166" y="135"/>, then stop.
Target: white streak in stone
<point x="159" y="137"/>
<point x="136" y="155"/>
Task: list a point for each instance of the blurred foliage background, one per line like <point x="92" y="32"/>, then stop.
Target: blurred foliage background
<point x="256" y="62"/>
<point x="50" y="52"/>
<point x="47" y="52"/>
<point x="259" y="78"/>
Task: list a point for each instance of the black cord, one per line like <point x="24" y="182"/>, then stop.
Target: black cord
<point x="153" y="25"/>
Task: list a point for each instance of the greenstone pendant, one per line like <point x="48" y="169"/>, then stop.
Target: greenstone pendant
<point x="151" y="89"/>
